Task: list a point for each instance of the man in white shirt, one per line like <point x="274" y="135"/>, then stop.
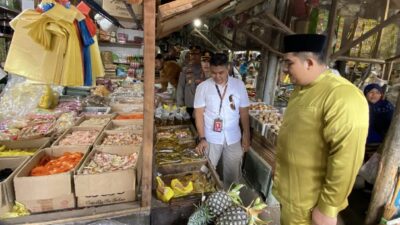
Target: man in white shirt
<point x="220" y="103"/>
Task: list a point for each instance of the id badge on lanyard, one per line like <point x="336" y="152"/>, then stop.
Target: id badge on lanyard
<point x="218" y="122"/>
<point x="218" y="125"/>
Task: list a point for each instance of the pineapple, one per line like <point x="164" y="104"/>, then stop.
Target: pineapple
<point x="234" y="215"/>
<point x="239" y="215"/>
<point x="200" y="217"/>
<point x="220" y="201"/>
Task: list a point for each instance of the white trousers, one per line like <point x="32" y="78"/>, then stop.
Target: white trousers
<point x="232" y="156"/>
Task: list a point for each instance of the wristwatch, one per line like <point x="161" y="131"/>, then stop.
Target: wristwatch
<point x="201" y="138"/>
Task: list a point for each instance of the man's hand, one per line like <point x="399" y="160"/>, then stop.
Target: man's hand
<point x="201" y="147"/>
<point x="320" y="219"/>
<point x="246" y="143"/>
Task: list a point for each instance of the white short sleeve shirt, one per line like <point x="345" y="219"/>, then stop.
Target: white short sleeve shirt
<point x="207" y="96"/>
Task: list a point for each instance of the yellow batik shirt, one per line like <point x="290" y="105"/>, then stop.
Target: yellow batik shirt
<point x="321" y="145"/>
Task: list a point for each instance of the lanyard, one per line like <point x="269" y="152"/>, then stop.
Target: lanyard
<point x="221" y="97"/>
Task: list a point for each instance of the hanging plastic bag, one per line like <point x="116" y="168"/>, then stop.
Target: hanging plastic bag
<point x="19" y="97"/>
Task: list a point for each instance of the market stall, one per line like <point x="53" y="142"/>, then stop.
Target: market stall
<point x="77" y="153"/>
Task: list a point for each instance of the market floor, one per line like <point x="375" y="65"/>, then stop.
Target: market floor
<point x="355" y="213"/>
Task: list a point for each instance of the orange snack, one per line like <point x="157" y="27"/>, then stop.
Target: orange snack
<point x="130" y="117"/>
<point x="64" y="163"/>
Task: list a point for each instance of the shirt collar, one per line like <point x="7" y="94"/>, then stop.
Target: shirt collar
<point x="316" y="81"/>
<point x="229" y="81"/>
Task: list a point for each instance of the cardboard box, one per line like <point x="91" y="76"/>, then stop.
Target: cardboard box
<point x="106" y="188"/>
<point x="126" y="148"/>
<point x="7" y="195"/>
<point x="27" y="144"/>
<point x="96" y="110"/>
<point x="46" y="193"/>
<point x="69" y="131"/>
<point x="119" y="11"/>
<point x="126" y="107"/>
<point x="87" y="117"/>
<point x="116" y="124"/>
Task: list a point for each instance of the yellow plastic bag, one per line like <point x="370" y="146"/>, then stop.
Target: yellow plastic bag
<point x="46" y="101"/>
<point x="164" y="193"/>
<point x="181" y="190"/>
<point x="17" y="210"/>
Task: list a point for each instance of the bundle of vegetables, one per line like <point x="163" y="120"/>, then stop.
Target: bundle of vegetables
<point x="64" y="163"/>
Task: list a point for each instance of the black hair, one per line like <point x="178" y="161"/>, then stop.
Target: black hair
<point x="318" y="56"/>
<point x="159" y="57"/>
<point x="219" y="59"/>
<point x="195" y="47"/>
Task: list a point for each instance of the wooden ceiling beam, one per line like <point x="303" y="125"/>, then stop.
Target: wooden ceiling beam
<point x="279" y="23"/>
<point x="261" y="42"/>
<point x="205" y="38"/>
<point x="233" y="44"/>
<point x="164" y="27"/>
<point x="363" y="37"/>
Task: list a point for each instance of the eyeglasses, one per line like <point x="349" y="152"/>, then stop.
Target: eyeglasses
<point x="232" y="103"/>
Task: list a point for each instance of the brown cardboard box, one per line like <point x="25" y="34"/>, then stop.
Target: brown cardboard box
<point x="119" y="11"/>
<point x="117" y="148"/>
<point x="46" y="193"/>
<point x="7" y="195"/>
<point x="106" y="188"/>
<point x="27" y="144"/>
<point x="86" y="117"/>
<point x="126" y="107"/>
<point x="115" y="124"/>
<point x="69" y="131"/>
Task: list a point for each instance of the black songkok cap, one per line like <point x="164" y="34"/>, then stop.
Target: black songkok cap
<point x="304" y="43"/>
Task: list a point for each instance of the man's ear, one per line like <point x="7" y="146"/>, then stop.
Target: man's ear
<point x="310" y="62"/>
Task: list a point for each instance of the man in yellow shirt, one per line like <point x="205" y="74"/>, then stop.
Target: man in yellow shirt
<point x="322" y="139"/>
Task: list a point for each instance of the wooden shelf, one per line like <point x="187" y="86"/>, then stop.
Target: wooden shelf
<point x="14" y="11"/>
<point x="126" y="45"/>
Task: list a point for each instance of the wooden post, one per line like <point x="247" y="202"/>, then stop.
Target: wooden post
<point x="262" y="75"/>
<point x="149" y="65"/>
<point x="272" y="72"/>
<point x="331" y="29"/>
<point x="388" y="71"/>
<point x="363" y="37"/>
<point x="379" y="37"/>
<point x="387" y="170"/>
